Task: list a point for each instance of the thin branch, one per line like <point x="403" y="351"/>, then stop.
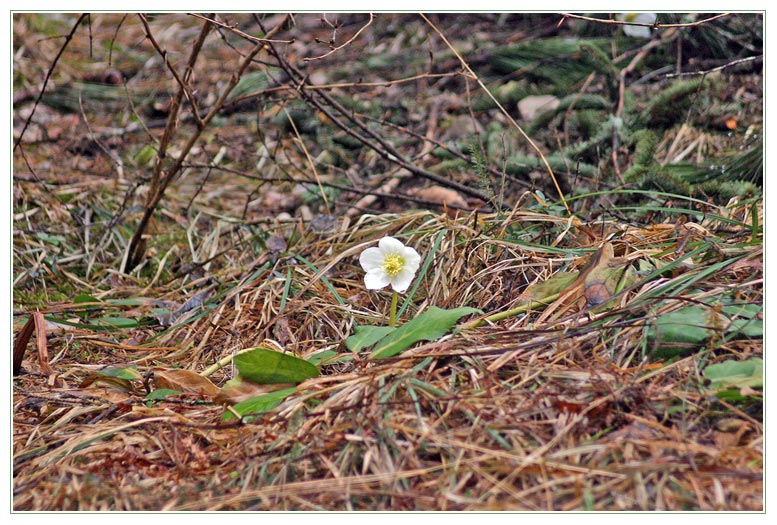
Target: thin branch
<point x="716" y="69"/>
<point x="502" y="109"/>
<point x="254" y="39"/>
<point x="654" y="25"/>
<point x="182" y="82"/>
<point x="354" y="37"/>
<point x="380" y="146"/>
<point x="341" y="85"/>
<point x="68" y="38"/>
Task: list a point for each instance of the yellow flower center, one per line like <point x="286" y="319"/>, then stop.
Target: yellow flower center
<point x="393" y="264"/>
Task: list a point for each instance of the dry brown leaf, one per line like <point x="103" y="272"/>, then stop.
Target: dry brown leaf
<point x="590" y="286"/>
<point x="184" y="381"/>
<point x="441" y="195"/>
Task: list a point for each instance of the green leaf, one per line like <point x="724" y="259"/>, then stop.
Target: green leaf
<point x="685" y="330"/>
<point x="259" y="404"/>
<point x="117" y="322"/>
<point x="328" y="357"/>
<point x="56" y="240"/>
<point x="430" y="325"/>
<point x="131" y="301"/>
<point x="265" y="366"/>
<point x="85" y="298"/>
<point x="161" y="393"/>
<point x="559" y="282"/>
<point x="366" y="336"/>
<point x="120" y="372"/>
<point x="737" y="374"/>
<point x="145" y="155"/>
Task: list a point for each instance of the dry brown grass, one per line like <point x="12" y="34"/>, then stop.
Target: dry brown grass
<point x="563" y="415"/>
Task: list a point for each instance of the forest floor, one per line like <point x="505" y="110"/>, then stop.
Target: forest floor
<point x="585" y="328"/>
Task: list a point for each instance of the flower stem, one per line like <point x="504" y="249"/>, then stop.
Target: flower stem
<point x="393" y="311"/>
<point x="509" y="313"/>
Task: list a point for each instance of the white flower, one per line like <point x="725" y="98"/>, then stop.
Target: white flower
<point x="639" y="18"/>
<point x="390" y="263"/>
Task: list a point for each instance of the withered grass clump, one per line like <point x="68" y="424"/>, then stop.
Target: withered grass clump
<point x="572" y="412"/>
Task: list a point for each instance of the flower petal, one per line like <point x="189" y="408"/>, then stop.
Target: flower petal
<point x="376" y="279"/>
<point x="371" y="258"/>
<point x="390" y="245"/>
<point x="412" y="259"/>
<point x="402" y="280"/>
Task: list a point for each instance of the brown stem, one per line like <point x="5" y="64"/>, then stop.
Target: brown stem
<point x="161" y="181"/>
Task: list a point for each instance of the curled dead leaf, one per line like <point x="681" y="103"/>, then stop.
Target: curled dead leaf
<point x="184" y="381"/>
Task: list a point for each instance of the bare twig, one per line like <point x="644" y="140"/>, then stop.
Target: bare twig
<point x="503" y="110"/>
<point x="160" y="180"/>
<point x="251" y="38"/>
<point x="375" y="142"/>
<point x="715" y="69"/>
<point x="655" y="25"/>
<point x="354" y="37"/>
<point x="68" y="38"/>
<point x="182" y="82"/>
<point x="339" y="85"/>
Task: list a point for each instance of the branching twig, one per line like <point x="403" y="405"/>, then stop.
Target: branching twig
<point x="160" y="180"/>
<point x="339" y="85"/>
<point x="250" y="38"/>
<point x="335" y="49"/>
<point x="375" y="142"/>
<point x="182" y="82"/>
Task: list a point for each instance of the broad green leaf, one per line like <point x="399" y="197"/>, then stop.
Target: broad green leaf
<point x="249" y="83"/>
<point x="693" y="324"/>
<point x="684" y="331"/>
<point x="145" y="155"/>
<point x="736" y="373"/>
<point x="257" y="405"/>
<point x="366" y="336"/>
<point x="262" y="365"/>
<point x="430" y="325"/>
<point x="56" y="240"/>
<point x="744" y="319"/>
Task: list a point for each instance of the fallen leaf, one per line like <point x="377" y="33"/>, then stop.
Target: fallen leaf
<point x="184" y="381"/>
<point x="442" y="196"/>
<point x="97" y="381"/>
<point x="594" y="283"/>
<point x="544" y="289"/>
